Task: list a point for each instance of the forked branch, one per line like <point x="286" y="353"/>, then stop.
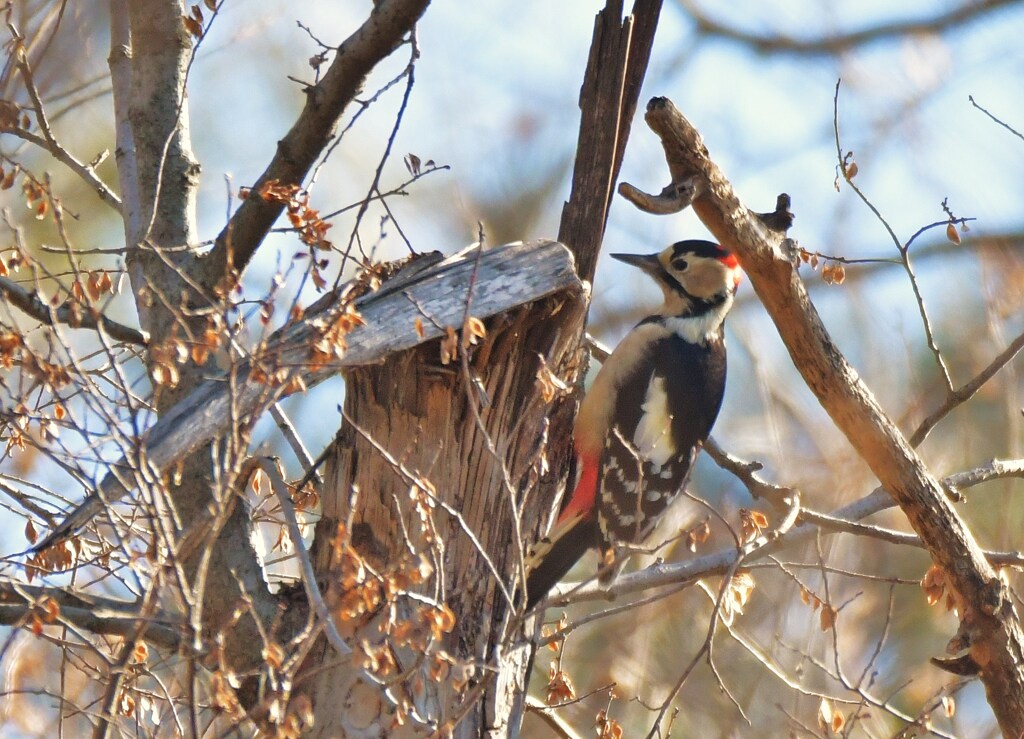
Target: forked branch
<point x="389" y="23"/>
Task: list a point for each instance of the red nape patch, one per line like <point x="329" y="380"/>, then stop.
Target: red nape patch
<point x="730" y="261"/>
<point x="585" y="495"/>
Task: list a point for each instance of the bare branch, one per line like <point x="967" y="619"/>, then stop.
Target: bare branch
<point x="673" y="197"/>
<point x="291" y="435"/>
<point x="74" y="316"/>
<point x="967" y="391"/>
<point x="309" y="580"/>
<point x="1005" y="125"/>
<point x="48" y="140"/>
<point x="847" y="172"/>
<point x="120" y="65"/>
<point x="747" y="474"/>
<point x="561" y="728"/>
<point x="381" y="34"/>
<point x="832" y="523"/>
<point x="94" y="613"/>
<point x="836" y="44"/>
<point x="85" y="171"/>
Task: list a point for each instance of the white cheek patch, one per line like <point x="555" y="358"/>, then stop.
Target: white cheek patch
<point x="653" y="438"/>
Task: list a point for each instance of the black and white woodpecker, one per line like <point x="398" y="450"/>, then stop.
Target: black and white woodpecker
<point x="647" y="414"/>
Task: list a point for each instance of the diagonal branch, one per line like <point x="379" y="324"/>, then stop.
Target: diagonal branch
<point x="966" y="391"/>
<point x="383" y="32"/>
<point x="48" y="141"/>
<point x="989" y="623"/>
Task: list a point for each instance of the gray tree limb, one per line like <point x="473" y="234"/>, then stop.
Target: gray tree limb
<point x="507" y="277"/>
<point x="94" y="613"/>
<point x="77" y="317"/>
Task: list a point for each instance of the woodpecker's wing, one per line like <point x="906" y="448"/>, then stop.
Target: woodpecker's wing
<point x="664" y="411"/>
<point x="665" y="400"/>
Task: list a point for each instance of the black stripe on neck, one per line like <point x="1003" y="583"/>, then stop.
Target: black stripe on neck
<point x="697" y="306"/>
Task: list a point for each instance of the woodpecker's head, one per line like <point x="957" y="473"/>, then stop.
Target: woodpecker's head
<point x="696" y="276"/>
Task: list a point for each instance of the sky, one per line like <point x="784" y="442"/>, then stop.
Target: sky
<point x="495" y="99"/>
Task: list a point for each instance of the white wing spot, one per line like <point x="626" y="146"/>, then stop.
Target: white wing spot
<point x="652" y="436"/>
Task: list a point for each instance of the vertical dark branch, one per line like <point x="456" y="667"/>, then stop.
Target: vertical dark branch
<point x="619" y="54"/>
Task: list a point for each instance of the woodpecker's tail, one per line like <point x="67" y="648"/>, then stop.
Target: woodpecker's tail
<point x="574" y="532"/>
<point x="554" y="557"/>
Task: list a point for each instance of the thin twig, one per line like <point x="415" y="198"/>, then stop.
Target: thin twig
<point x="556" y="723"/>
<point x="1008" y="127"/>
<point x="298" y="448"/>
<point x="832" y="523"/>
<point x="966" y="391"/>
<point x="269" y="467"/>
<point x="903" y="249"/>
<point x="49" y="141"/>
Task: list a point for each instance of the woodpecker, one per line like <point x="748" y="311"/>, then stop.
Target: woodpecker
<point x="648" y="412"/>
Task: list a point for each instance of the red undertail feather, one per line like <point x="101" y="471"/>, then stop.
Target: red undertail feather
<point x="584" y="496"/>
<point x="573" y="534"/>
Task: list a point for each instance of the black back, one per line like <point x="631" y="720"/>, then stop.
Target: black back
<point x="635" y="495"/>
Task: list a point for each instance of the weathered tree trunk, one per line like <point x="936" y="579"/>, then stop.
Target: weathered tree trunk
<point x="494" y="465"/>
<point x="494" y="459"/>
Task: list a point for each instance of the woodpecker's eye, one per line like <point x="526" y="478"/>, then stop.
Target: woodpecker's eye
<point x="679" y="264"/>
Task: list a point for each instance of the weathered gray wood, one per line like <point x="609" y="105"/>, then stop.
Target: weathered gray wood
<point x="505" y="277"/>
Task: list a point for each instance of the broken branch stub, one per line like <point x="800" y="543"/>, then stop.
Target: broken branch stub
<point x="417" y="305"/>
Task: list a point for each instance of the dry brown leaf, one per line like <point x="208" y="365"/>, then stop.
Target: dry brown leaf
<point x="560" y="688"/>
<point x="827" y="617"/>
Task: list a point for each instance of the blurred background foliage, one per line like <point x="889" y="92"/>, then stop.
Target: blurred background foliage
<point x="495" y="100"/>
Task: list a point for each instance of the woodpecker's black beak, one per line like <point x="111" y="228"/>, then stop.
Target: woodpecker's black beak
<point x="649" y="263"/>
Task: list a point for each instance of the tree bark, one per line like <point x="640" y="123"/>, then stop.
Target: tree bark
<point x="493" y="476"/>
<point x="498" y="458"/>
